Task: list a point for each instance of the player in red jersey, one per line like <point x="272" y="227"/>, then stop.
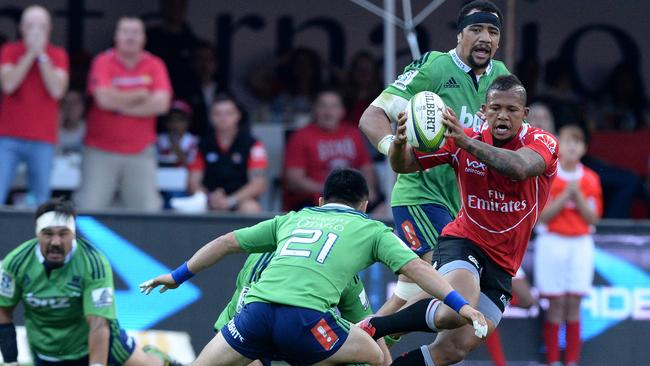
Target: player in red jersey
<point x="504" y="173"/>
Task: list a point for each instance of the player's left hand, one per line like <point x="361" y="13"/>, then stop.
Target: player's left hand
<point x="400" y="133"/>
<point x="166" y="281"/>
<point x="477" y="320"/>
<point x="454" y="129"/>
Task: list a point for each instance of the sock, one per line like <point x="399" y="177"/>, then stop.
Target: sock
<point x="410" y="358"/>
<point x="572" y="353"/>
<point x="410" y="319"/>
<point x="493" y="344"/>
<point x="551" y="341"/>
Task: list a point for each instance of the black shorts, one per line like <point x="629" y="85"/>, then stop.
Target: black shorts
<point x="495" y="282"/>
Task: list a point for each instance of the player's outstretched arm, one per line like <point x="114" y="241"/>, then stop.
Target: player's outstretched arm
<point x="518" y="165"/>
<point x="401" y="156"/>
<point x="205" y="257"/>
<point x="430" y="281"/>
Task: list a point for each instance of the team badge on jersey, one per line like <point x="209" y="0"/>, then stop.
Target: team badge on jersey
<point x="405" y="79"/>
<point x="7" y="284"/>
<point x="324" y="335"/>
<point x="102" y="297"/>
<point x="547" y="140"/>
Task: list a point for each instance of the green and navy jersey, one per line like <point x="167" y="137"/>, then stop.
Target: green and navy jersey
<point x="56" y="306"/>
<point x="353" y="306"/>
<point x="318" y="251"/>
<point x="445" y="74"/>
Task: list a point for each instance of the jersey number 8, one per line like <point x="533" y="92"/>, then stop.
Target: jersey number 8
<point x="300" y="237"/>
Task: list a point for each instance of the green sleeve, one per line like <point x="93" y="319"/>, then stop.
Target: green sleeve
<point x="392" y="251"/>
<point x="259" y="238"/>
<point x="227" y="314"/>
<point x="99" y="291"/>
<point x="354" y="305"/>
<point x="10" y="292"/>
<point x="418" y="76"/>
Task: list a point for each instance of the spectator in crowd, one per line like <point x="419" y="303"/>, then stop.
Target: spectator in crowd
<point x="231" y="165"/>
<point x="176" y="146"/>
<point x="623" y="104"/>
<point x="291" y="84"/>
<point x="361" y="85"/>
<point x="72" y="124"/>
<point x="561" y="97"/>
<point x="320" y="147"/>
<point x="173" y="41"/>
<point x="540" y="115"/>
<point x="34" y="76"/>
<point x="130" y="87"/>
<point x="205" y="87"/>
<point x="564" y="248"/>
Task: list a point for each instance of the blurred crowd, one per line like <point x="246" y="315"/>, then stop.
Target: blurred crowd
<point x="155" y="102"/>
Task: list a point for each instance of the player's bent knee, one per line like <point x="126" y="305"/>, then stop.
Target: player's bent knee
<point x="448" y="353"/>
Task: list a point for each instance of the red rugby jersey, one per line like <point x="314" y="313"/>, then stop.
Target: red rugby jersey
<point x="569" y="221"/>
<point x="498" y="213"/>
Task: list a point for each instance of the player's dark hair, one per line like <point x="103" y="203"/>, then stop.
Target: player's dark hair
<point x="345" y="186"/>
<point x="481" y="5"/>
<point x="329" y="89"/>
<point x="59" y="205"/>
<point x="508" y="82"/>
<point x="244" y="124"/>
<point x="574" y="132"/>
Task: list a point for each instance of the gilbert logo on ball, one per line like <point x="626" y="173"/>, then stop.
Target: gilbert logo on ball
<point x="424" y="128"/>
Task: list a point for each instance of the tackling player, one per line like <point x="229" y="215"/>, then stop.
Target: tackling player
<point x="504" y="173"/>
<point x="66" y="286"/>
<point x="353" y="306"/>
<point x="564" y="248"/>
<point x="287" y="313"/>
<point x="424" y="202"/>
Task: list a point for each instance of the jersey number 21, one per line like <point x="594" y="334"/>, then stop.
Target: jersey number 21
<point x="308" y="236"/>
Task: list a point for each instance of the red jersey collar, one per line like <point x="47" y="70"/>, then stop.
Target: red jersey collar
<point x="116" y="58"/>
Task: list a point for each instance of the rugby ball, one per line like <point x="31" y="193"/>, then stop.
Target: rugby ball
<point x="424" y="128"/>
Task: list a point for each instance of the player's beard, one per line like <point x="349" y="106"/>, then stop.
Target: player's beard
<point x="54" y="264"/>
<point x="475" y="65"/>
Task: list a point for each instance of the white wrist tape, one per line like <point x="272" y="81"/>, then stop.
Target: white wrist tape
<point x="53" y="219"/>
<point x="384" y="144"/>
<point x="406" y="290"/>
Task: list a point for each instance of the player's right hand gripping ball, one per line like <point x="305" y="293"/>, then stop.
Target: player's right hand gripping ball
<point x="424" y="128"/>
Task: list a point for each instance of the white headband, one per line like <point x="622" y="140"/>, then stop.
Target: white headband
<point x="53" y="219"/>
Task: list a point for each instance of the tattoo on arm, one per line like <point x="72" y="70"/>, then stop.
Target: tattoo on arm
<point x="517" y="165"/>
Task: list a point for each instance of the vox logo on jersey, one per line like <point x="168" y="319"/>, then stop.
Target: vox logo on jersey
<point x="475" y="167"/>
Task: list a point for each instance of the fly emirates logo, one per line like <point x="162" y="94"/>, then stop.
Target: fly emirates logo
<point x="495" y="202"/>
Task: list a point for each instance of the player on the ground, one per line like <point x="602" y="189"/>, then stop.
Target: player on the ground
<point x="425" y="202"/>
<point x="353" y="306"/>
<point x="504" y="173"/>
<point x="287" y="313"/>
<point x="66" y="286"/>
<point x="564" y="247"/>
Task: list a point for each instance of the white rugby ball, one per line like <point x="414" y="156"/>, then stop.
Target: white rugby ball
<point x="424" y="128"/>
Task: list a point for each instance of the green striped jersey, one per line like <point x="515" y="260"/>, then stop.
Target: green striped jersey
<point x="318" y="251"/>
<point x="445" y="74"/>
<point x="56" y="306"/>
